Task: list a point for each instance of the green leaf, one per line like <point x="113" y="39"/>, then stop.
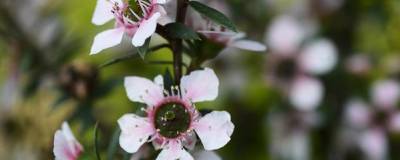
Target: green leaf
<point x="179" y="30"/>
<point x="112" y="148"/>
<point x="142" y="50"/>
<point x="96" y="149"/>
<point x="213" y="15"/>
<point x="168" y="80"/>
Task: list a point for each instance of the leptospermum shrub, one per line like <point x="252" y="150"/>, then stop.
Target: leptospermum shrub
<point x="170" y="122"/>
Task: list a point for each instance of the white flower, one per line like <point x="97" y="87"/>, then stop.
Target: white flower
<point x="373" y="143"/>
<point x="306" y="93"/>
<point x="66" y="147"/>
<point x="385" y="93"/>
<point x="172" y="120"/>
<point x="139" y="25"/>
<point x="318" y="57"/>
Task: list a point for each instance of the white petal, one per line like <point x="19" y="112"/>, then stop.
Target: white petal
<point x="159" y="80"/>
<point x="248" y="45"/>
<point x="190" y="141"/>
<point x="161" y="1"/>
<point x="174" y="151"/>
<point x="143" y="90"/>
<point x="135" y="131"/>
<point x="319" y="57"/>
<point x="65" y="145"/>
<point x="145" y="30"/>
<point x="107" y="39"/>
<point x="102" y="14"/>
<point x="306" y="93"/>
<point x="214" y="129"/>
<point x="394" y="123"/>
<point x="285" y="35"/>
<point x="385" y="93"/>
<point x="200" y="85"/>
<point x="206" y="155"/>
<point x="374" y="144"/>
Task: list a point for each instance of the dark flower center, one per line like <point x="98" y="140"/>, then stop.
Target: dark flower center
<point x="286" y="69"/>
<point x="172" y="119"/>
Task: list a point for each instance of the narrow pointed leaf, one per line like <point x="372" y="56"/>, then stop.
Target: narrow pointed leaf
<point x="213" y="15"/>
<point x="142" y="50"/>
<point x="179" y="30"/>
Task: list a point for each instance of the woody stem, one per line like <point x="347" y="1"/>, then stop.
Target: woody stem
<point x="177" y="44"/>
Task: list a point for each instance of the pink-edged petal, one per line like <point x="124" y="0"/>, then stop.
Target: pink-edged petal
<point x="107" y="39"/>
<point x="200" y="85"/>
<point x="206" y="155"/>
<point x="135" y="131"/>
<point x="66" y="147"/>
<point x="102" y="13"/>
<point x="306" y="93"/>
<point x="145" y="30"/>
<point x="319" y="57"/>
<point x="214" y="129"/>
<point x="394" y="122"/>
<point x="385" y="93"/>
<point x="373" y="143"/>
<point x="190" y="141"/>
<point x="143" y="90"/>
<point x="248" y="45"/>
<point x="174" y="151"/>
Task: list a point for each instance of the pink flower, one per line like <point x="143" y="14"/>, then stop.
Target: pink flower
<point x="306" y="93"/>
<point x="66" y="147"/>
<point x="139" y="25"/>
<point x="172" y="119"/>
<point x="385" y="93"/>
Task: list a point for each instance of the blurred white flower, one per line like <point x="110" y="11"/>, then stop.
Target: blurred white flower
<point x="385" y="93"/>
<point x="306" y="93"/>
<point x="357" y="113"/>
<point x="373" y="143"/>
<point x="319" y="57"/>
<point x="358" y="64"/>
<point x="284" y="35"/>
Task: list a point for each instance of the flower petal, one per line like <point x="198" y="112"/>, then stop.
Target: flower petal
<point x="161" y="1"/>
<point x="102" y="14"/>
<point x="319" y="57"/>
<point x="306" y="93"/>
<point x="107" y="39"/>
<point x="174" y="151"/>
<point x="145" y="30"/>
<point x="143" y="90"/>
<point x="214" y="129"/>
<point x="190" y="141"/>
<point x="248" y="45"/>
<point x="206" y="155"/>
<point x="66" y="147"/>
<point x="135" y="131"/>
<point x="394" y="122"/>
<point x="200" y="85"/>
<point x="373" y="143"/>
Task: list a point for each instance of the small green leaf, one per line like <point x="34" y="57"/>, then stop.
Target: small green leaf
<point x="142" y="50"/>
<point x="112" y="148"/>
<point x="213" y="15"/>
<point x="179" y="30"/>
<point x="96" y="149"/>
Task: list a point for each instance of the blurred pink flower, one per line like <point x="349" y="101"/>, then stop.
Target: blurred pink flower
<point x="373" y="143"/>
<point x="385" y="93"/>
<point x="66" y="147"/>
<point x="172" y="119"/>
<point x="137" y="25"/>
<point x="357" y="113"/>
<point x="358" y="64"/>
